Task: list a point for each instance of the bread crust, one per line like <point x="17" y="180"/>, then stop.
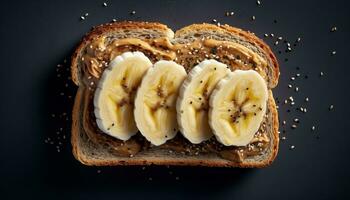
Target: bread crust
<point x="236" y="31"/>
<point x="109" y="27"/>
<point x="182" y="161"/>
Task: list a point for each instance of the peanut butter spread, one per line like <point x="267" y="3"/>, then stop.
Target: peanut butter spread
<point x="102" y="50"/>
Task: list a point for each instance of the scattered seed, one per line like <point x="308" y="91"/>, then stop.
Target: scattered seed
<point x="296" y="120"/>
<point x="294" y="126"/>
<point x="283" y="138"/>
<point x="331" y="107"/>
<point x="296" y="89"/>
<point x="290" y="86"/>
<point x="104" y="4"/>
<point x="133" y="12"/>
<point x="284" y="122"/>
<point x="307" y="99"/>
<point x="258" y="2"/>
<point x="276" y="43"/>
<point x="292" y="147"/>
<point x="321" y="73"/>
<point x="297" y="75"/>
<point x="82" y="17"/>
<point x="215" y="21"/>
<point x="280" y="38"/>
<point x="253" y="17"/>
<point x="333" y="53"/>
<point x="334" y="29"/>
<point x="266" y="35"/>
<point x="292" y="78"/>
<point x="313" y="128"/>
<point x="86" y="14"/>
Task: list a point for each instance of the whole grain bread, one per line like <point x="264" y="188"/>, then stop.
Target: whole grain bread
<point x="91" y="147"/>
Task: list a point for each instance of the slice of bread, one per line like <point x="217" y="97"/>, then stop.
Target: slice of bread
<point x="92" y="147"/>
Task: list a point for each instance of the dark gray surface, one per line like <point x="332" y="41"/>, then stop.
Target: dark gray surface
<point x="36" y="36"/>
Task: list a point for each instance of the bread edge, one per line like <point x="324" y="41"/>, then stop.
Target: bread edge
<point x="103" y="28"/>
<point x="237" y="31"/>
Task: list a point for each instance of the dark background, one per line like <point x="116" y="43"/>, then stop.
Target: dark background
<point x="36" y="101"/>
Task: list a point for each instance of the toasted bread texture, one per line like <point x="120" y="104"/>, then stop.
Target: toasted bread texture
<point x="91" y="147"/>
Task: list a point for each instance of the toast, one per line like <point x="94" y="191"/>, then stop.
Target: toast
<point x="158" y="42"/>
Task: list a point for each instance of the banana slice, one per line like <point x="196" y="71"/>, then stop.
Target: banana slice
<point x="115" y="93"/>
<point x="193" y="101"/>
<point x="155" y="111"/>
<point x="237" y="107"/>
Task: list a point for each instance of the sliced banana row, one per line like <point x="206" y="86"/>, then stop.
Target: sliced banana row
<point x="209" y="100"/>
